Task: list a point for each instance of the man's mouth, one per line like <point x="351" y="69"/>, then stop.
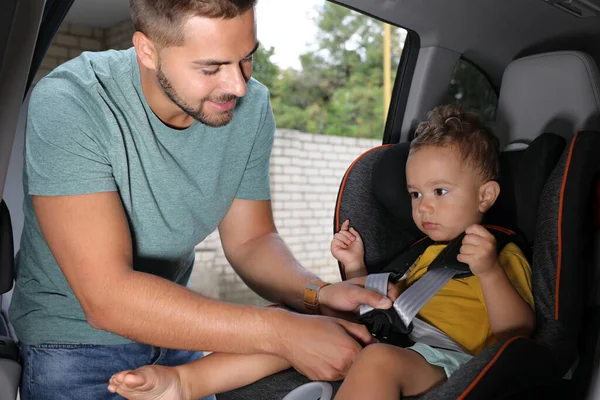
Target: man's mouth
<point x="223" y="106"/>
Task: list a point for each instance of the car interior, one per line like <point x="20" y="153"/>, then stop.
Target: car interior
<point x="541" y="58"/>
<point x="19" y="24"/>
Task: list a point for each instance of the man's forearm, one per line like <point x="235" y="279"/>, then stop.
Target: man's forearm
<point x="152" y="310"/>
<point x="269" y="268"/>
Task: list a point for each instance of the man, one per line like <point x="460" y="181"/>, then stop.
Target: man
<point x="134" y="157"/>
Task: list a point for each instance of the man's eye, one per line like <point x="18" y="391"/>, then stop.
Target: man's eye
<point x="210" y="71"/>
<point x="247" y="60"/>
<point x="415" y="195"/>
<point x="440" y="192"/>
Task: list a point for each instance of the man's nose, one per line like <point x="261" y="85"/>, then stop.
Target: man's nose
<point x="235" y="82"/>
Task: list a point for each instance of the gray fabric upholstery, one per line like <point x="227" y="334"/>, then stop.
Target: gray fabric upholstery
<point x="274" y="387"/>
<point x="556" y="92"/>
<point x="560" y="336"/>
<point x="464" y="376"/>
<point x="545" y="258"/>
<point x="382" y="236"/>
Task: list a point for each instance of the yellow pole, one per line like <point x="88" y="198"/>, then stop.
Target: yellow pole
<point x="387" y="70"/>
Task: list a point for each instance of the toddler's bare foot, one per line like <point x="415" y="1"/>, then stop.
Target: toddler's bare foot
<point x="151" y="382"/>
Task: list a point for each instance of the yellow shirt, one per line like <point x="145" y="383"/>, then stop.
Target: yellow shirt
<point x="459" y="308"/>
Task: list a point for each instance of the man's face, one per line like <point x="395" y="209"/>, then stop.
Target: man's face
<point x="445" y="191"/>
<point x="206" y="75"/>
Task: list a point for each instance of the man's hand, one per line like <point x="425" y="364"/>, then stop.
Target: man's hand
<point x="322" y="348"/>
<point x="343" y="299"/>
<point x="479" y="250"/>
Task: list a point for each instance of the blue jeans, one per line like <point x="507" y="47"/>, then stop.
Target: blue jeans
<point x="65" y="371"/>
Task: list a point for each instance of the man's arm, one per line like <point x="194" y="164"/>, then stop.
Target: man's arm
<point x="89" y="238"/>
<point x="260" y="257"/>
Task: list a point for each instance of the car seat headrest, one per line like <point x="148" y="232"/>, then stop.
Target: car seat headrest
<point x="523" y="174"/>
<point x="551" y="92"/>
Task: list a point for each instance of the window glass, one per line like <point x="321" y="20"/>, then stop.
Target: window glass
<point x="470" y="88"/>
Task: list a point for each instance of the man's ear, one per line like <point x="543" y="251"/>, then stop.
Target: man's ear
<point x="488" y="193"/>
<point x="146" y="50"/>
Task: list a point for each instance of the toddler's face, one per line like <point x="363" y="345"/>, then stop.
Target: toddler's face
<point x="445" y="191"/>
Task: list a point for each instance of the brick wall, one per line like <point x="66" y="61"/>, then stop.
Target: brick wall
<point x="119" y="36"/>
<point x="71" y="40"/>
<point x="306" y="171"/>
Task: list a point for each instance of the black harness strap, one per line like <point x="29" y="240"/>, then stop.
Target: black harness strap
<point x="447" y="257"/>
<point x="386" y="325"/>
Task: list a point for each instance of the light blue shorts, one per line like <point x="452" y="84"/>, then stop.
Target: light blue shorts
<point x="448" y="359"/>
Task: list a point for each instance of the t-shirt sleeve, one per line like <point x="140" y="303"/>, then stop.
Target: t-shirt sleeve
<point x="255" y="183"/>
<point x="64" y="154"/>
<point x="518" y="270"/>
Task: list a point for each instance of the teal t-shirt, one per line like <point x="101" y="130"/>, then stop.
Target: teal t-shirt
<point x="89" y="130"/>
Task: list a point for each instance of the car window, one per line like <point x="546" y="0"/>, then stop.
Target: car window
<point x="335" y="85"/>
<point x="470" y="88"/>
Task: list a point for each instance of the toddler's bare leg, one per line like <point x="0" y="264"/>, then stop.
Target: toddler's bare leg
<point x="215" y="373"/>
<point x="383" y="372"/>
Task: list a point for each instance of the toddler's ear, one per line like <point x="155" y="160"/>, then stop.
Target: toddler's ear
<point x="488" y="193"/>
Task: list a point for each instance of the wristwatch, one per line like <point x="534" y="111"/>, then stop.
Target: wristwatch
<point x="311" y="296"/>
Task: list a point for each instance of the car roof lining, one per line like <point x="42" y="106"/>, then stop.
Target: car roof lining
<point x="489" y="33"/>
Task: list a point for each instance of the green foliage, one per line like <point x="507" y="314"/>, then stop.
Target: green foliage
<point x="263" y="69"/>
<point x="339" y="90"/>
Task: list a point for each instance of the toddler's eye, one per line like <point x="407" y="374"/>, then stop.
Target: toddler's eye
<point x="415" y="195"/>
<point x="440" y="192"/>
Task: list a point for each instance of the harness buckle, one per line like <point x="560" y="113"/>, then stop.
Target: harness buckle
<point x="387" y="326"/>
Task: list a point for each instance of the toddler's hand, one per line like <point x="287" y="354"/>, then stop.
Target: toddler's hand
<point x="479" y="250"/>
<point x="347" y="247"/>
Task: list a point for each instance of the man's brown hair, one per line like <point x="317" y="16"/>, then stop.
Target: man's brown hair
<point x="162" y="20"/>
<point x="451" y="125"/>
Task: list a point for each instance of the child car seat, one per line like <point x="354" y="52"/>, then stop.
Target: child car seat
<point x="555" y="220"/>
<point x="376" y="182"/>
<point x="547" y="202"/>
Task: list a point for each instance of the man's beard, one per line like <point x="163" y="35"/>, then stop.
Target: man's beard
<point x="221" y="118"/>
